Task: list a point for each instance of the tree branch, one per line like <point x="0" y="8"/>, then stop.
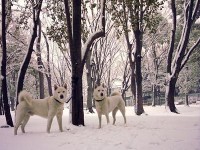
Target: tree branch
<point x="69" y="25"/>
<point x="171" y="48"/>
<point x="186" y="58"/>
<point x="196" y="8"/>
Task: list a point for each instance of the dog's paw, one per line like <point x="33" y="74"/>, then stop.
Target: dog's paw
<point x="125" y="125"/>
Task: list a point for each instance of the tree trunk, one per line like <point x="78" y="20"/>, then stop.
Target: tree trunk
<point x="139" y="101"/>
<point x="133" y="85"/>
<point x="3" y="68"/>
<point x="48" y="75"/>
<point x="39" y="62"/>
<point x="24" y="66"/>
<point x="183" y="52"/>
<point x="1" y="104"/>
<point x="154" y="95"/>
<point x="77" y="94"/>
<point x="186" y="99"/>
<point x="169" y="95"/>
<point x="89" y="82"/>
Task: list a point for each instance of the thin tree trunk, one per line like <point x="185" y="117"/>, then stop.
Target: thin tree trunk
<point x="3" y="68"/>
<point x="154" y="95"/>
<point x="89" y="82"/>
<point x="109" y="74"/>
<point x="39" y="61"/>
<point x="48" y="75"/>
<point x="186" y="99"/>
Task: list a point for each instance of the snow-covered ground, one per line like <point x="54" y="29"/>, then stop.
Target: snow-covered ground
<point x="158" y="130"/>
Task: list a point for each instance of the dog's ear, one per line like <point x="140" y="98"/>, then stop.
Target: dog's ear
<point x="55" y="87"/>
<point x="103" y="85"/>
<point x="65" y="86"/>
<point x="96" y="85"/>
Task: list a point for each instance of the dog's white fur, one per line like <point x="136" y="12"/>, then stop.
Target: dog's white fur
<point x="104" y="105"/>
<point x="48" y="108"/>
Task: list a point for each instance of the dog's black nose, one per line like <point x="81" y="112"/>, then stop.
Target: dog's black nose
<point x="101" y="94"/>
<point x="61" y="96"/>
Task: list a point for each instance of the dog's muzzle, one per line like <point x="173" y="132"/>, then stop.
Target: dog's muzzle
<point x="61" y="96"/>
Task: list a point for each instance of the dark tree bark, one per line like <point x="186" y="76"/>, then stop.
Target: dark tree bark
<point x="186" y="99"/>
<point x="177" y="60"/>
<point x="139" y="101"/>
<point x="1" y="104"/>
<point x="3" y="68"/>
<point x="171" y="89"/>
<point x="77" y="60"/>
<point x="39" y="62"/>
<point x="77" y="92"/>
<point x="154" y="95"/>
<point x="24" y="66"/>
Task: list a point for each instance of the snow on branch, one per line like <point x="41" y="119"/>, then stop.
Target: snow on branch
<point x="95" y="35"/>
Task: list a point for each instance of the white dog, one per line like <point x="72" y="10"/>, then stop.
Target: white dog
<point x="48" y="108"/>
<point x="104" y="105"/>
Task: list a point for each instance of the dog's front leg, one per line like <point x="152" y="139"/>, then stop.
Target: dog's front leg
<point x="107" y="118"/>
<point x="59" y="119"/>
<point x="99" y="116"/>
<point x="49" y="122"/>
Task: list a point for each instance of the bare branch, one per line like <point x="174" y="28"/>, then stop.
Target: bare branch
<point x="186" y="58"/>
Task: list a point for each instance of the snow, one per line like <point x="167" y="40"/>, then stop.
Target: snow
<point x="158" y="130"/>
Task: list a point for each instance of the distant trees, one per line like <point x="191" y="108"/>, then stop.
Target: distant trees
<point x="156" y="46"/>
<point x="139" y="15"/>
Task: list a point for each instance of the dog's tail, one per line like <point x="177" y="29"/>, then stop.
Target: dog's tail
<point x="116" y="93"/>
<point x="25" y="96"/>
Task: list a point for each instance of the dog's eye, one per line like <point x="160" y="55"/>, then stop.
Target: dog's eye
<point x="102" y="90"/>
<point x="58" y="92"/>
<point x="63" y="91"/>
<point x="98" y="90"/>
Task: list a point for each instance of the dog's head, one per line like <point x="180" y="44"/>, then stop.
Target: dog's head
<point x="60" y="93"/>
<point x="99" y="92"/>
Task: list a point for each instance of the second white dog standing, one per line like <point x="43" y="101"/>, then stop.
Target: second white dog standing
<point x="104" y="105"/>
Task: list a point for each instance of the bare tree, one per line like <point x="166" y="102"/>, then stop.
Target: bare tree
<point x="178" y="57"/>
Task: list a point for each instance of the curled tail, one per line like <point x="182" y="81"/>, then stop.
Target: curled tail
<point x="115" y="93"/>
<point x="25" y="96"/>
